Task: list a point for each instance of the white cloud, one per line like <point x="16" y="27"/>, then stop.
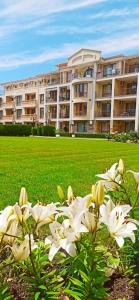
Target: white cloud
<point x="115" y="13"/>
<point x="108" y="45"/>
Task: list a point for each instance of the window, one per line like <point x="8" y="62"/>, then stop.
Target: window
<point x="18" y="100"/>
<point x="107" y="90"/>
<point x="109" y="70"/>
<point x="82" y="127"/>
<point x="19" y="113"/>
<point x="41" y="113"/>
<point x="1" y="114"/>
<point x="89" y="72"/>
<point x="80" y="109"/>
<point x="81" y="90"/>
<point x="41" y="98"/>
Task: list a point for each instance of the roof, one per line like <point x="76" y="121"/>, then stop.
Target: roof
<point x="83" y="49"/>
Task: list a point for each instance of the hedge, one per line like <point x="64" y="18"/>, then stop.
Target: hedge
<point x="15" y="130"/>
<point x="91" y="135"/>
<point x="44" y="130"/>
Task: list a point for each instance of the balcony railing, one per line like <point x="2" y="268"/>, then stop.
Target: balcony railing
<point x="28" y="117"/>
<point x="9" y="103"/>
<point x="53" y="115"/>
<point x="132" y="69"/>
<point x="104" y="95"/>
<point x="79" y="76"/>
<point x="127" y="113"/>
<point x="28" y="103"/>
<point x="80" y="113"/>
<point x="80" y="95"/>
<point x="103" y="114"/>
<point x="64" y="115"/>
<point x="110" y="73"/>
<point x="63" y="98"/>
<point x="126" y="91"/>
<point x="51" y="100"/>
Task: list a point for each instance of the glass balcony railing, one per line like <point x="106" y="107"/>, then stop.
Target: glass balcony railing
<point x="126" y="113"/>
<point x="103" y="114"/>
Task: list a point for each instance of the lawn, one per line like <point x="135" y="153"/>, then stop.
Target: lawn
<point x="40" y="164"/>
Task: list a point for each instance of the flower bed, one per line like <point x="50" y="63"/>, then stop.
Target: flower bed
<point x="79" y="248"/>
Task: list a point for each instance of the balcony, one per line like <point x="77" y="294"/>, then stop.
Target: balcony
<point x="103" y="114"/>
<point x="64" y="115"/>
<point x="9" y="104"/>
<point x="125" y="114"/>
<point x="80" y="114"/>
<point x="104" y="95"/>
<point x="29" y="103"/>
<point x="52" y="115"/>
<point x="132" y="69"/>
<point x="28" y="117"/>
<point x="110" y="73"/>
<point x="123" y="91"/>
<point x="51" y="100"/>
<point x="64" y="98"/>
<point x="8" y="118"/>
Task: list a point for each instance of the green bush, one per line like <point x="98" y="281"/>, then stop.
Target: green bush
<point x="48" y="130"/>
<point x="131" y="136"/>
<point x="39" y="130"/>
<point x="34" y="131"/>
<point x="91" y="135"/>
<point x="15" y="130"/>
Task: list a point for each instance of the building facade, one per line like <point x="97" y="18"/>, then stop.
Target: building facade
<point x="88" y="93"/>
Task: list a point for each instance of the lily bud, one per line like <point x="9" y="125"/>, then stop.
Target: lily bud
<point x="121" y="167"/>
<point x="23" y="199"/>
<point x="93" y="192"/>
<point x="70" y="194"/>
<point x="99" y="194"/>
<point x="60" y="192"/>
<point x="136" y="175"/>
<point x="138" y="189"/>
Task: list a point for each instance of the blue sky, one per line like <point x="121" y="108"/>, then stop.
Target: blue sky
<point x="35" y="35"/>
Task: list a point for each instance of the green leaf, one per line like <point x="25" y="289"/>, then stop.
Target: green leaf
<point x="37" y="295"/>
<point x="75" y="295"/>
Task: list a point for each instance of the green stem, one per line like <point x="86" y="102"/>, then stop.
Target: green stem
<point x="32" y="261"/>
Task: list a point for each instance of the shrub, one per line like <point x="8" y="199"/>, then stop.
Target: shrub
<point x="15" y="130"/>
<point x="91" y="135"/>
<point x="131" y="136"/>
<point x="34" y="131"/>
<point x="48" y="130"/>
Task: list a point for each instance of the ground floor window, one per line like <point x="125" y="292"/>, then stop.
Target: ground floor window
<point x="82" y="127"/>
<point x="130" y="126"/>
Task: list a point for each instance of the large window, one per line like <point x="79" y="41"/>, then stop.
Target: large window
<point x="82" y="127"/>
<point x="19" y="113"/>
<point x="41" y="113"/>
<point x="41" y="98"/>
<point x="80" y="109"/>
<point x="107" y="90"/>
<point x="81" y="90"/>
<point x="18" y="100"/>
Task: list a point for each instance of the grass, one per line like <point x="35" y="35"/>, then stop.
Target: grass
<point x="40" y="164"/>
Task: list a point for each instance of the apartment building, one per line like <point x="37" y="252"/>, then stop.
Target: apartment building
<point x="88" y="93"/>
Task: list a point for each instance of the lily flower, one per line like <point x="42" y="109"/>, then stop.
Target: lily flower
<point x="136" y="176"/>
<point x="43" y="214"/>
<point x="22" y="213"/>
<point x="112" y="178"/>
<point x="117" y="222"/>
<point x="21" y="250"/>
<point x="62" y="237"/>
<point x="89" y="221"/>
<point x="111" y="174"/>
<point x="75" y="213"/>
<point x="5" y="218"/>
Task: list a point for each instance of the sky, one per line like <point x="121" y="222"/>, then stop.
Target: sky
<point x="35" y="35"/>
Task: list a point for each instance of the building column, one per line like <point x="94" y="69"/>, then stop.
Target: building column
<point x="71" y="106"/>
<point x="112" y="105"/>
<point x="137" y="108"/>
<point x="58" y="110"/>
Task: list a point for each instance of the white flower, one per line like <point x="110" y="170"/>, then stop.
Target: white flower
<point x="43" y="214"/>
<point x="112" y="178"/>
<point x="22" y="213"/>
<point x="115" y="218"/>
<point x="11" y="233"/>
<point x="5" y="218"/>
<point x="88" y="221"/>
<point x="136" y="176"/>
<point x="75" y="212"/>
<point x="63" y="237"/>
<point x="21" y="250"/>
<point x="111" y="174"/>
